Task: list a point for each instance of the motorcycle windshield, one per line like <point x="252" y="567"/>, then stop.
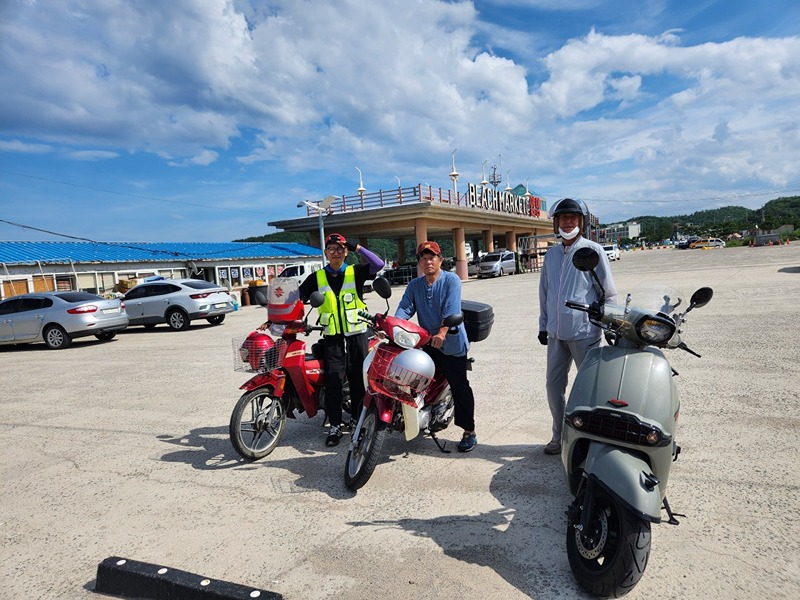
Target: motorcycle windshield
<point x="283" y="300"/>
<point x="657" y="298"/>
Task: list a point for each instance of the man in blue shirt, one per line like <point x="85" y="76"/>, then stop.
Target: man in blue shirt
<point x="432" y="297"/>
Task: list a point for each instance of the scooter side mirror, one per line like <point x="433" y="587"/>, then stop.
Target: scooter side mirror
<point x="382" y="286"/>
<point x="585" y="259"/>
<point x="701" y="297"/>
<point x="452" y="322"/>
<point x="316" y="300"/>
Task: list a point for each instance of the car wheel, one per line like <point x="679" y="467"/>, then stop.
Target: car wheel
<point x="178" y="320"/>
<point x="216" y="320"/>
<point x="56" y="338"/>
<point x="105" y="335"/>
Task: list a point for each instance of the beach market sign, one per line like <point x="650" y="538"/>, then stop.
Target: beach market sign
<point x="503" y="201"/>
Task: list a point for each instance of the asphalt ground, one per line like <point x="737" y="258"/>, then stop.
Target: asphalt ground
<point x="121" y="448"/>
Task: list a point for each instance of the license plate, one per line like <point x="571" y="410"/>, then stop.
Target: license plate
<point x="220" y="305"/>
<point x="110" y="311"/>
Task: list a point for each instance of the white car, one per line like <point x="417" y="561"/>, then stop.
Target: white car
<point x="177" y="302"/>
<point x="612" y="251"/>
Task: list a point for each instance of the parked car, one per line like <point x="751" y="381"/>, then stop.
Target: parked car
<point x="497" y="264"/>
<point x="684" y="244"/>
<point x="177" y="302"/>
<point x="472" y="268"/>
<point x="707" y="242"/>
<point x="612" y="251"/>
<point x="57" y="318"/>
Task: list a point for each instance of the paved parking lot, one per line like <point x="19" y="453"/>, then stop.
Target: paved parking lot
<point x="121" y="448"/>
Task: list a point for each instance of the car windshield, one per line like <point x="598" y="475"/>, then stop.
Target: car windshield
<point x="491" y="258"/>
<point x="608" y="247"/>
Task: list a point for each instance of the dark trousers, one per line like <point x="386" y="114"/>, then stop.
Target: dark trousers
<point x="454" y="369"/>
<point x="344" y="357"/>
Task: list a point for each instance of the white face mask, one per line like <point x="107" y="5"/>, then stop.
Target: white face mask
<point x="568" y="235"/>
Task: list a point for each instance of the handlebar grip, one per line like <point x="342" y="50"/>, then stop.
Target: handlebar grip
<point x="577" y="305"/>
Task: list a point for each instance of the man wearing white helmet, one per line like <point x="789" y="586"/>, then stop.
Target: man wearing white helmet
<point x="567" y="333"/>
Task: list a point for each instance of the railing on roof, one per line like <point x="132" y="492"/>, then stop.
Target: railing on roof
<point x="395" y="197"/>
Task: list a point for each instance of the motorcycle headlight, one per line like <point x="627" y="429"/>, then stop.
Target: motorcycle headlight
<point x="277" y="329"/>
<point x="655" y="330"/>
<point x="405" y="339"/>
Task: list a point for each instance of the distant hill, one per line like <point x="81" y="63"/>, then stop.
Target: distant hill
<point x="722" y="221"/>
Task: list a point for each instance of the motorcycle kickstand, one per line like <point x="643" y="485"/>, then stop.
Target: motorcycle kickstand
<point x="672" y="520"/>
<point x="439" y="445"/>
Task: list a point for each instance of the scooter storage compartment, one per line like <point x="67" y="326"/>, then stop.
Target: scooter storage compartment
<point x="478" y="319"/>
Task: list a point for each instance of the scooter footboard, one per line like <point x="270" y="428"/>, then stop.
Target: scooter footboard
<point x="627" y="476"/>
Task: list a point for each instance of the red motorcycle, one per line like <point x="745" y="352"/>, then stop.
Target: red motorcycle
<point x="405" y="391"/>
<point x="286" y="378"/>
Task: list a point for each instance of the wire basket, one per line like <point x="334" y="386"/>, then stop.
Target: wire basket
<point x="255" y="356"/>
<point x="393" y="380"/>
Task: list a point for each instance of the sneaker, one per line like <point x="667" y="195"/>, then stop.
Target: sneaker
<point x="468" y="442"/>
<point x="334" y="436"/>
<point x="553" y="447"/>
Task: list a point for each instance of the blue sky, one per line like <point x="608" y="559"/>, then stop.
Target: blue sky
<point x="202" y="120"/>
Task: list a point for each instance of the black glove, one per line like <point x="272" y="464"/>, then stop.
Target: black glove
<point x="543" y="338"/>
<point x="351" y="246"/>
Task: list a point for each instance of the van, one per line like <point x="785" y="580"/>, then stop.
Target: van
<point x="298" y="272"/>
<point x="612" y="251"/>
<point x="707" y="242"/>
<point x="497" y="264"/>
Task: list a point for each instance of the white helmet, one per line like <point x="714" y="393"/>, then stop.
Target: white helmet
<point x="413" y="368"/>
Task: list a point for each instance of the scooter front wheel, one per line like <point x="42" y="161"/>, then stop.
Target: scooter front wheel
<point x="257" y="424"/>
<point x="362" y="460"/>
<point x="609" y="558"/>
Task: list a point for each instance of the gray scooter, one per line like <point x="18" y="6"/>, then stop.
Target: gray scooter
<point x="618" y="441"/>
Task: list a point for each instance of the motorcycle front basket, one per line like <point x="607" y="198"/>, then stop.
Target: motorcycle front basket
<point x="250" y="356"/>
<point x="393" y="380"/>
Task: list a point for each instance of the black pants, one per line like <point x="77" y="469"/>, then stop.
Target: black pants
<point x="344" y="357"/>
<point x="455" y="371"/>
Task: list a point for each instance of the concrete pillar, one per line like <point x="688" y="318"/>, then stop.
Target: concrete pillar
<point x="488" y="240"/>
<point x="421" y="231"/>
<point x="401" y="251"/>
<point x="461" y="253"/>
<point x="511" y="241"/>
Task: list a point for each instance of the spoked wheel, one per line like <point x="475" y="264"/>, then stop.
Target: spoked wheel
<point x="257" y="424"/>
<point x="216" y="319"/>
<point x="609" y="558"/>
<point x="362" y="460"/>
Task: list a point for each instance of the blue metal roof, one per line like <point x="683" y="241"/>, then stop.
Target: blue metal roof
<point x="116" y="252"/>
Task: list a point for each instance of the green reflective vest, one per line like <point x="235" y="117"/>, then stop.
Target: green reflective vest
<point x="345" y="319"/>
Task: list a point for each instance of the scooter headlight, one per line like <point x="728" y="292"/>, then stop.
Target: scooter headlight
<point x="577" y="422"/>
<point x="405" y="339"/>
<point x="653" y="437"/>
<point x="655" y="330"/>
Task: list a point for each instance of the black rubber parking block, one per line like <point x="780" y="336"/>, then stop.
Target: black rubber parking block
<point x="134" y="579"/>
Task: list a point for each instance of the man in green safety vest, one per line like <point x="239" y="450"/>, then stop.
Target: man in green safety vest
<point x="345" y="338"/>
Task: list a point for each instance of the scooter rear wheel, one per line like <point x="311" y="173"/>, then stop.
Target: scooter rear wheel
<point x="361" y="461"/>
<point x="609" y="558"/>
<point x="257" y="424"/>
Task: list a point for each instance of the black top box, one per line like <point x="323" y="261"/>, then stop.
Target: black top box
<point x="478" y="319"/>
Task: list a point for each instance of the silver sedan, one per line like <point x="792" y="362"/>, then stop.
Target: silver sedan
<point x="56" y="318"/>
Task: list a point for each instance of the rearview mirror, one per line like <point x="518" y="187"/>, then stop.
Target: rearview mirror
<point x="585" y="259"/>
<point x="382" y="286"/>
<point x="316" y="299"/>
<point x="701" y="297"/>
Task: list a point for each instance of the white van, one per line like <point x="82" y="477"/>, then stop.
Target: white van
<point x="299" y="271"/>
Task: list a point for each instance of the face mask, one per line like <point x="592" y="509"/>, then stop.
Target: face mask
<point x="568" y="235"/>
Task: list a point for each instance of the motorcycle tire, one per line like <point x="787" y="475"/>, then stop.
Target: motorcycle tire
<point x="609" y="558"/>
<point x="257" y="424"/>
<point x="362" y="460"/>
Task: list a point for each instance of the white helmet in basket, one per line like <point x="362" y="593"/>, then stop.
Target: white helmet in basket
<point x="413" y="368"/>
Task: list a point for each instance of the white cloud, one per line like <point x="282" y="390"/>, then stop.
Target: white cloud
<point x="24" y="147"/>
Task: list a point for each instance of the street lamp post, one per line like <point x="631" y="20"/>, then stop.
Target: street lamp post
<point x="323" y="210"/>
